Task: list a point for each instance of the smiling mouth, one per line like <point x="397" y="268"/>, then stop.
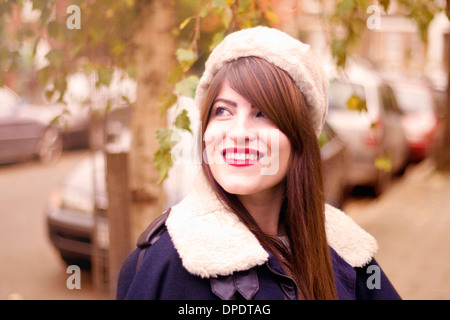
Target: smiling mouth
<point x="241" y="157"/>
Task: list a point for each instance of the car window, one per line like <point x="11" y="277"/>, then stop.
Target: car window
<point x="414" y="100"/>
<point x="340" y="92"/>
<point x="8" y="101"/>
<point x="388" y="99"/>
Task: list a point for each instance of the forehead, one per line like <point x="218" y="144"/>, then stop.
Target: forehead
<point x="231" y="97"/>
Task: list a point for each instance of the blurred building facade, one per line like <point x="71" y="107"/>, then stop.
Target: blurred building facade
<point x="393" y="44"/>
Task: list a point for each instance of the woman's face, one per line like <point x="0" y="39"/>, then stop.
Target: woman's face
<point x="246" y="152"/>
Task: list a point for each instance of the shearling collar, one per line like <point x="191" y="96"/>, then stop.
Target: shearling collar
<point x="212" y="241"/>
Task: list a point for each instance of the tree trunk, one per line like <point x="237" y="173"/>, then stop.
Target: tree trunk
<point x="443" y="153"/>
<point x="155" y="58"/>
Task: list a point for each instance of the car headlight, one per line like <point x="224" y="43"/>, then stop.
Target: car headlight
<point x="77" y="201"/>
<point x="55" y="200"/>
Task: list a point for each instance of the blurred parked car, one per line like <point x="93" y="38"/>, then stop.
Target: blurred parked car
<point x="333" y="153"/>
<point x="420" y="120"/>
<point x="368" y="135"/>
<point x="71" y="208"/>
<point x="26" y="130"/>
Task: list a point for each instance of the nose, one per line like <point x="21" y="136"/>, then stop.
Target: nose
<point x="242" y="131"/>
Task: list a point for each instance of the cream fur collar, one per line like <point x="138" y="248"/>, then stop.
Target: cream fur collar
<point x="212" y="241"/>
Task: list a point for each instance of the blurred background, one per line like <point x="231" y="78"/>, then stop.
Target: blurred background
<point x="94" y="97"/>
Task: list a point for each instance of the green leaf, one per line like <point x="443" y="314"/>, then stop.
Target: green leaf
<point x="60" y="84"/>
<point x="166" y="101"/>
<point x="186" y="58"/>
<point x="204" y="12"/>
<point x="49" y="94"/>
<point x="339" y="51"/>
<point x="56" y="30"/>
<point x="219" y="4"/>
<point x="187" y="86"/>
<point x="105" y="76"/>
<point x="44" y="75"/>
<point x="244" y="6"/>
<point x="55" y="119"/>
<point x="185" y="23"/>
<point x="175" y="75"/>
<point x="218" y="37"/>
<point x="345" y="6"/>
<point x="163" y="157"/>
<point x="185" y="55"/>
<point x="384" y="162"/>
<point x="226" y="15"/>
<point x="271" y="16"/>
<point x="182" y="121"/>
<point x="55" y="57"/>
<point x="356" y="103"/>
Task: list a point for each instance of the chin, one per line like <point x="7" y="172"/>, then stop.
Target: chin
<point x="239" y="187"/>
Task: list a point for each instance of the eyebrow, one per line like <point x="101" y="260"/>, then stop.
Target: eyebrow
<point x="229" y="102"/>
<point x="226" y="101"/>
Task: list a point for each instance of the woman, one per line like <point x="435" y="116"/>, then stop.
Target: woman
<point x="255" y="225"/>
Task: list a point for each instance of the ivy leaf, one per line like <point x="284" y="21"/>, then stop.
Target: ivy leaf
<point x="271" y="16"/>
<point x="185" y="23"/>
<point x="187" y="86"/>
<point x="345" y="6"/>
<point x="185" y="57"/>
<point x="44" y="75"/>
<point x="163" y="157"/>
<point x="226" y="15"/>
<point x="175" y="75"/>
<point x="384" y="162"/>
<point x="339" y="51"/>
<point x="218" y="37"/>
<point x="105" y="76"/>
<point x="60" y="84"/>
<point x="182" y="121"/>
<point x="356" y="103"/>
<point x="166" y="101"/>
<point x="55" y="57"/>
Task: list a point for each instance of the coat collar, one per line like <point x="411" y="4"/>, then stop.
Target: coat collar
<point x="211" y="241"/>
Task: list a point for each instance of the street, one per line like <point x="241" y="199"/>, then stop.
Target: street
<point x="410" y="222"/>
<point x="30" y="267"/>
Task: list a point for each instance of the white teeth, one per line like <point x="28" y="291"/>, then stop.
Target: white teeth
<point x="241" y="156"/>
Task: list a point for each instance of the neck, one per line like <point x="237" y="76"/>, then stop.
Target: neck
<point x="264" y="208"/>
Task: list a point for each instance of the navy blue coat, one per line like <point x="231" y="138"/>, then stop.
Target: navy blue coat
<point x="161" y="275"/>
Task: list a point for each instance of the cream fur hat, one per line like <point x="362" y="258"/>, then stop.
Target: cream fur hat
<point x="280" y="49"/>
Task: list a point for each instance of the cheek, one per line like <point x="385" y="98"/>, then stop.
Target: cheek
<point x="213" y="138"/>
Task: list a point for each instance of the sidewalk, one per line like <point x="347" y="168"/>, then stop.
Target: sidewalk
<point x="412" y="225"/>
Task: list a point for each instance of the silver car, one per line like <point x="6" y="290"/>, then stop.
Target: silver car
<point x="374" y="135"/>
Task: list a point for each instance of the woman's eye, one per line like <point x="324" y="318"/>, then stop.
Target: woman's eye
<point x="260" y="115"/>
<point x="220" y="111"/>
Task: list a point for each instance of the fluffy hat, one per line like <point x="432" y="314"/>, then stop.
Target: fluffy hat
<point x="280" y="49"/>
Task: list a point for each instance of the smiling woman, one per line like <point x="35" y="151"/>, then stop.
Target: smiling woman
<point x="255" y="225"/>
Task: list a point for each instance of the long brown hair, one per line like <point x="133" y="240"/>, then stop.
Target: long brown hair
<point x="307" y="260"/>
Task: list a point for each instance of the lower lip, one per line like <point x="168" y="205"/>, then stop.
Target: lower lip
<point x="240" y="163"/>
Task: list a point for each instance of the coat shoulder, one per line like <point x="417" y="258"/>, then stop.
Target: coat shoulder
<point x="351" y="242"/>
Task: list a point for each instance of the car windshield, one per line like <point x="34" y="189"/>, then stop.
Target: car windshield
<point x="412" y="101"/>
<point x="7" y="102"/>
<point x="340" y="92"/>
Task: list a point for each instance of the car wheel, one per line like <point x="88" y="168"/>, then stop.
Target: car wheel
<point x="50" y="146"/>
